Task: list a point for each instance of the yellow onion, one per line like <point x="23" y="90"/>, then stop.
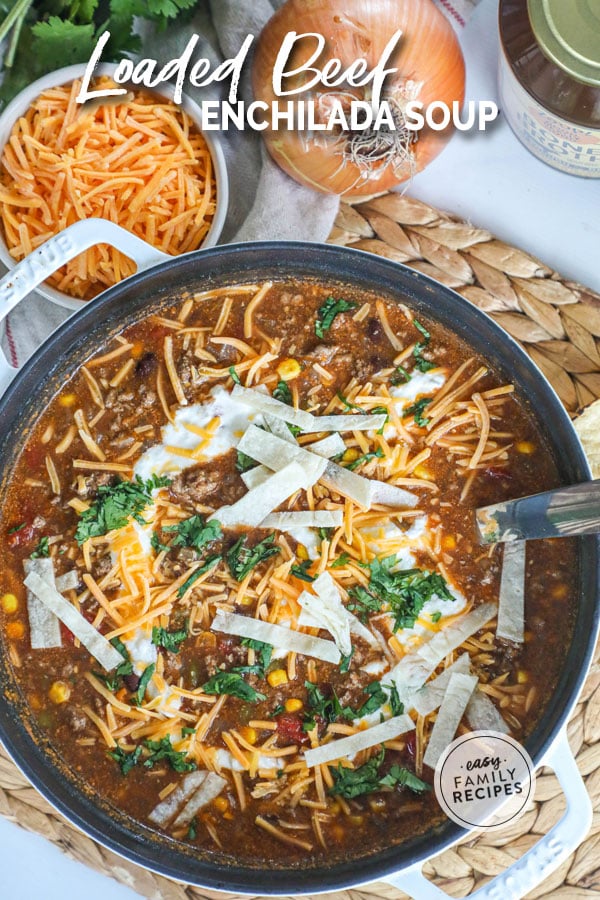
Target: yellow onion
<point x="430" y="68"/>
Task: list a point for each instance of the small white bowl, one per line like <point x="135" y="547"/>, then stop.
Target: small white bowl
<point x="21" y="103"/>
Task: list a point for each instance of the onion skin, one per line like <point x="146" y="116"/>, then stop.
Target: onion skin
<point x="428" y="52"/>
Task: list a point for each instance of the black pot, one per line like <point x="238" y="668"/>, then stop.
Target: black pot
<point x="80" y="336"/>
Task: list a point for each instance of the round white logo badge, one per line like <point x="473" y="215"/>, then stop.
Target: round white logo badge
<point x="484" y="779"/>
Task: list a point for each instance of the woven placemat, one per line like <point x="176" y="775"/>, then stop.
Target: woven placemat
<point x="558" y="323"/>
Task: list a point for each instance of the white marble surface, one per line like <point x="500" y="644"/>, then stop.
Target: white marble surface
<point x="491" y="180"/>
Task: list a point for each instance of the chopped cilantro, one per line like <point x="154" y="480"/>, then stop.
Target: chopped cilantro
<point x="169" y="640"/>
<point x="328" y="708"/>
<point x="348" y="405"/>
<point x="186" y="731"/>
<point x="366" y="779"/>
<point x="233" y="684"/>
<point x="294" y="429"/>
<point x="42" y="549"/>
<point x="400" y="376"/>
<point x="299" y="570"/>
<point x="325" y="533"/>
<point x="342" y="559"/>
<point x="327" y="313"/>
<point x="377" y="697"/>
<point x="417" y="409"/>
<point x="404" y="592"/>
<point x="144" y="682"/>
<point x="366" y="457"/>
<point x="422" y="329"/>
<point x="16" y="528"/>
<point x="351" y="783"/>
<point x="124" y="668"/>
<point x="234" y="375"/>
<point x="126" y="761"/>
<point x="156" y="543"/>
<point x="423" y="365"/>
<point x="115" y="505"/>
<point x="244" y="462"/>
<point x="436" y="616"/>
<point x="346" y="660"/>
<point x="192" y="829"/>
<point x="163" y="750"/>
<point x="283" y="393"/>
<point x="399" y="775"/>
<point x="241" y="559"/>
<point x="195" y="532"/>
<point x="208" y="564"/>
<point x="262" y="650"/>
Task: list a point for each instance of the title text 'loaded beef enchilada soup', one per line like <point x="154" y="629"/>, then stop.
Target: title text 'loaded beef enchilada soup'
<point x="241" y="588"/>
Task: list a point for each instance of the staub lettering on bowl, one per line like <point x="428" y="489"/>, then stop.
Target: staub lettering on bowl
<point x="524" y="875"/>
<point x="40" y="264"/>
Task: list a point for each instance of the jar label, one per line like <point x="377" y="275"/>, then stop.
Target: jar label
<point x="556" y="141"/>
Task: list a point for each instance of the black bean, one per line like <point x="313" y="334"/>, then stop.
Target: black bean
<point x="146" y="365"/>
<point x="374" y="329"/>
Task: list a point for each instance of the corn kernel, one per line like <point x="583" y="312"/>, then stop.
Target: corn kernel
<point x="137" y="349"/>
<point x="356" y="820"/>
<point x="277" y="677"/>
<point x="228" y="816"/>
<point x="294" y="704"/>
<point x="59" y="692"/>
<point x="422" y="472"/>
<point x="288" y="369"/>
<point x="221" y="803"/>
<point x="68" y="400"/>
<point x="301" y="552"/>
<point x="525" y="447"/>
<point x="35" y="702"/>
<point x="522" y="676"/>
<point x="246" y="600"/>
<point x="249" y="734"/>
<point x="10" y="604"/>
<point x="449" y="542"/>
<point x="351" y="455"/>
<point x="560" y="591"/>
<point x="15" y="631"/>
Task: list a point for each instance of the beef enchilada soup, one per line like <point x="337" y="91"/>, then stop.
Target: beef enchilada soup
<point x="240" y="575"/>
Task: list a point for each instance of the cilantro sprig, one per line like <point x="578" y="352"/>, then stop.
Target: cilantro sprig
<point x="233" y="684"/>
<point x="328" y="312"/>
<point x="194" y="532"/>
<point x="115" y="505"/>
<point x="169" y="640"/>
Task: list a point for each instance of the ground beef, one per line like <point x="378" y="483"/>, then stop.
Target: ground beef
<point x="210" y="484"/>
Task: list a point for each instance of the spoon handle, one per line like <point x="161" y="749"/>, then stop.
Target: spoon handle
<point x="560" y="512"/>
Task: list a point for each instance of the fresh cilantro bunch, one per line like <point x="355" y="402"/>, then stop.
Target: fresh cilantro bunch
<point x="43" y="35"/>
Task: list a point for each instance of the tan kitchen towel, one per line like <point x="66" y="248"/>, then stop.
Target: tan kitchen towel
<point x="265" y="204"/>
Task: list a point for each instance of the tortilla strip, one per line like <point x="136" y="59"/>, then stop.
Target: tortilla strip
<point x="91" y="639"/>
<point x="169" y="807"/>
<point x="458" y="693"/>
<point x="67" y="582"/>
<point x="511" y="599"/>
<point x="368" y="737"/>
<point x="318" y="518"/>
<point x="210" y="788"/>
<point x="256" y="505"/>
<point x="278" y="635"/>
<point x="265" y="404"/>
<point x="355" y="422"/>
<point x="431" y="695"/>
<point x="44" y="627"/>
<point x="483" y="715"/>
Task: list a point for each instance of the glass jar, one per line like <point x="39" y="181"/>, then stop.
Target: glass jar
<point x="549" y="80"/>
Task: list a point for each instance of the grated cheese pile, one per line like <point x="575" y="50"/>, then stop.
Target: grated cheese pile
<point x="140" y="163"/>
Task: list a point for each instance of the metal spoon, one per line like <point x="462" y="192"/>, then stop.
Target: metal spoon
<point x="561" y="512"/>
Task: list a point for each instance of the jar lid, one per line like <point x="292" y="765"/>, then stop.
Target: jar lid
<point x="568" y="32"/>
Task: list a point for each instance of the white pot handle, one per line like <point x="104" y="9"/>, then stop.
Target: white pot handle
<point x="54" y="253"/>
<point x="540" y="860"/>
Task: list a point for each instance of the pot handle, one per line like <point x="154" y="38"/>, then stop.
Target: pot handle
<point x="540" y="860"/>
<point x="54" y="253"/>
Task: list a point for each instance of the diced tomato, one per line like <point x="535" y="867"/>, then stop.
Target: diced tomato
<point x="67" y="635"/>
<point x="21" y="537"/>
<point x="291" y="730"/>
